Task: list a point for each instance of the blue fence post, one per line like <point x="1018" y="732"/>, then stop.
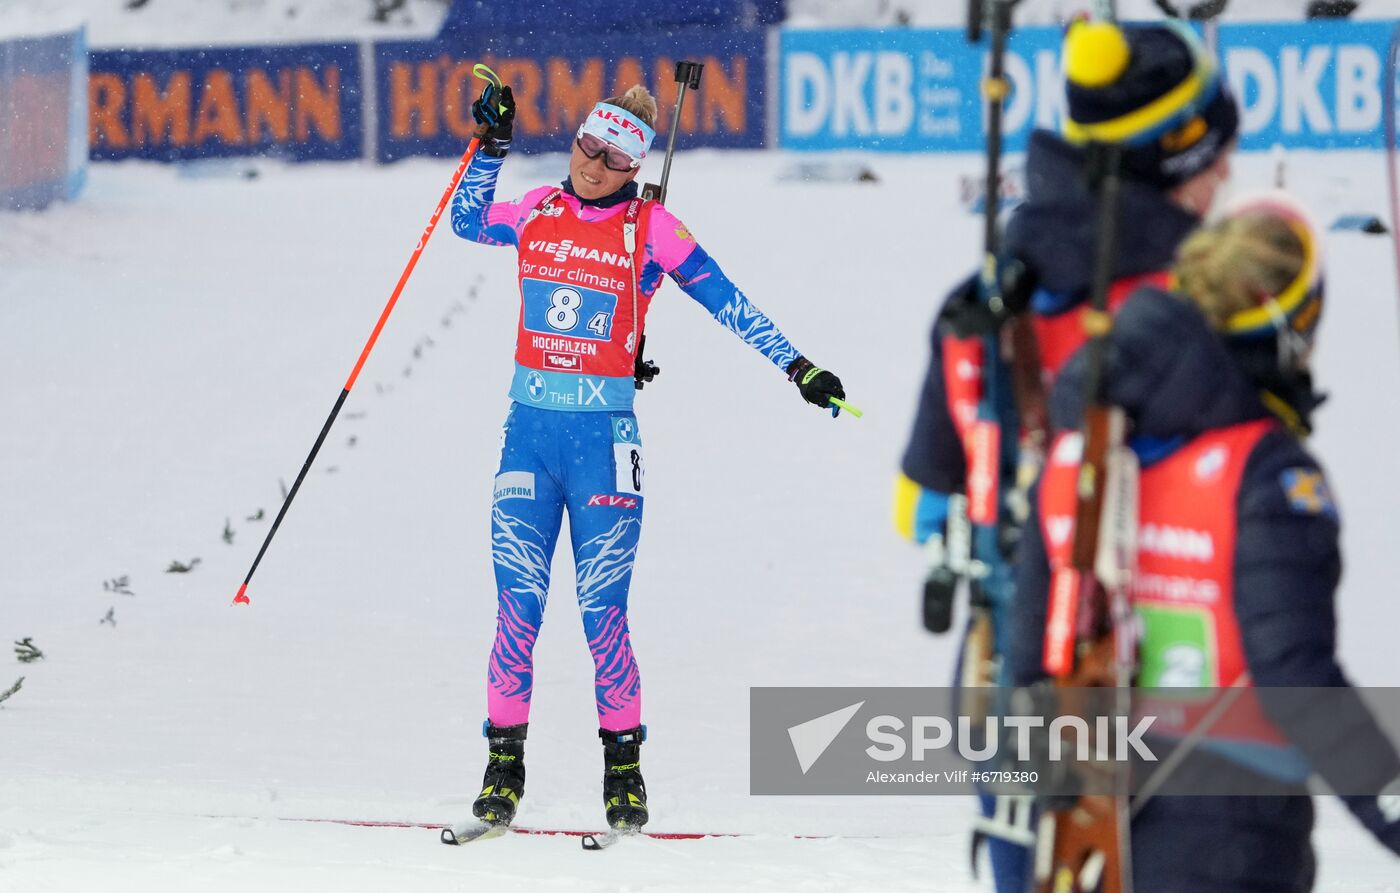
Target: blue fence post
<point x="78" y="117"/>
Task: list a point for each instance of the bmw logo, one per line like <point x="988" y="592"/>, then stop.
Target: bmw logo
<point x="626" y="431"/>
<point x="534" y="386"/>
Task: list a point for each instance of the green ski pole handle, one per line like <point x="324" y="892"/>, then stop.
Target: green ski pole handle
<point x="842" y="404"/>
<point x="484" y="72"/>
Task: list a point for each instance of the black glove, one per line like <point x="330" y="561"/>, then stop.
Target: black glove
<point x="817" y="385"/>
<point x="495" y="117"/>
<point x="968" y="313"/>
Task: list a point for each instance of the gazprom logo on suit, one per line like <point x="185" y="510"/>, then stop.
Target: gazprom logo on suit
<point x="514" y="485"/>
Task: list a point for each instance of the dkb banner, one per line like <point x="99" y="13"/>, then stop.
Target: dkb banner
<point x="909" y="90"/>
<point x="297" y="102"/>
<point x="1313" y="85"/>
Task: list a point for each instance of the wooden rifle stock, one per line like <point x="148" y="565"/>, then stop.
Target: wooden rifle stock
<point x="1084" y="846"/>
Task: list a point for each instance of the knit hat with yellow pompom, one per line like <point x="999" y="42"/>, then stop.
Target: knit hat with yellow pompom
<point x="1152" y="88"/>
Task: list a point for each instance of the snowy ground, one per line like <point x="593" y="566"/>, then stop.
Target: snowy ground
<point x="170" y="346"/>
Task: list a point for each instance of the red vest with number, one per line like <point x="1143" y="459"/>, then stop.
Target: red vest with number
<point x="1183" y="584"/>
<point x="581" y="311"/>
<point x="1057" y="337"/>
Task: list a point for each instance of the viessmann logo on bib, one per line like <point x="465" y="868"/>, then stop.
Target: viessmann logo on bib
<point x="1181" y="543"/>
<point x="566" y="249"/>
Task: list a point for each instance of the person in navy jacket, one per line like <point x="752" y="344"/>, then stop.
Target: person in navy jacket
<point x="1169" y="183"/>
<point x="1214" y="381"/>
<point x="1155" y="90"/>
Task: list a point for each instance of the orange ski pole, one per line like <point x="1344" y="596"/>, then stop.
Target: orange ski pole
<point x="241" y="598"/>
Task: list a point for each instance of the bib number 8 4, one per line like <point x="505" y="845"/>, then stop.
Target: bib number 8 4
<point x="564" y="305"/>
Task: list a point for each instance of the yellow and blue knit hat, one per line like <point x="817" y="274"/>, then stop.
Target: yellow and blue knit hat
<point x="1153" y="89"/>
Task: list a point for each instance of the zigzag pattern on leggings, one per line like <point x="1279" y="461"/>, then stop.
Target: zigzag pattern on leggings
<point x="617" y="683"/>
<point x="510" y="673"/>
<point x="605" y="560"/>
<point x="518" y="548"/>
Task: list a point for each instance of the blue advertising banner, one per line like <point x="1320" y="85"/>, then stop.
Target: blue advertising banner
<point x="296" y="102"/>
<point x="425" y="89"/>
<point x="1316" y="85"/>
<point x="911" y="90"/>
<point x="42" y="131"/>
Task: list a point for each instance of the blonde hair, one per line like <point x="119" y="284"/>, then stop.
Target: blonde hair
<point x="1238" y="263"/>
<point x="639" y="101"/>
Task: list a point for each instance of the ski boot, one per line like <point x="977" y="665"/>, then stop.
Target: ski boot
<point x="504" y="782"/>
<point x="624" y="791"/>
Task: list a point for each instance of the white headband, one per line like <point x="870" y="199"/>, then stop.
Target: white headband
<point x="620" y="127"/>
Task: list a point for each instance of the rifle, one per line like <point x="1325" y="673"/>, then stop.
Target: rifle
<point x="1012" y="401"/>
<point x="1083" y="843"/>
<point x="687" y="75"/>
<point x="1005" y="442"/>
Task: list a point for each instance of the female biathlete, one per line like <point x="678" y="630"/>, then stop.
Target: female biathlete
<point x="1237" y="561"/>
<point x="591" y="255"/>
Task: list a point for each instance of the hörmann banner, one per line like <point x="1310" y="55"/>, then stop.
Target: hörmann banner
<point x="1313" y="85"/>
<point x="425" y="90"/>
<point x="297" y="102"/>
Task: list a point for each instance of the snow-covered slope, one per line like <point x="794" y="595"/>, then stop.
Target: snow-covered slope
<point x="170" y="347"/>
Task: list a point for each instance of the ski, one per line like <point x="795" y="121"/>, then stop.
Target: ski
<point x="352" y="822"/>
<point x="472" y="831"/>
<point x="613" y="835"/>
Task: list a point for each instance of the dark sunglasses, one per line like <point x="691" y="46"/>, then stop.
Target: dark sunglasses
<point x="614" y="159"/>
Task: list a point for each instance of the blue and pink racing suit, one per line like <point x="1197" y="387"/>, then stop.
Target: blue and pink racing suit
<point x="587" y="272"/>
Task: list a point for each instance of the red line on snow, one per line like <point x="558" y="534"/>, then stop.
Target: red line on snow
<point x="549" y="832"/>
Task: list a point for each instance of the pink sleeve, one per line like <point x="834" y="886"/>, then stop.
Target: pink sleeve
<point x="514" y="214"/>
<point x="669" y="242"/>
